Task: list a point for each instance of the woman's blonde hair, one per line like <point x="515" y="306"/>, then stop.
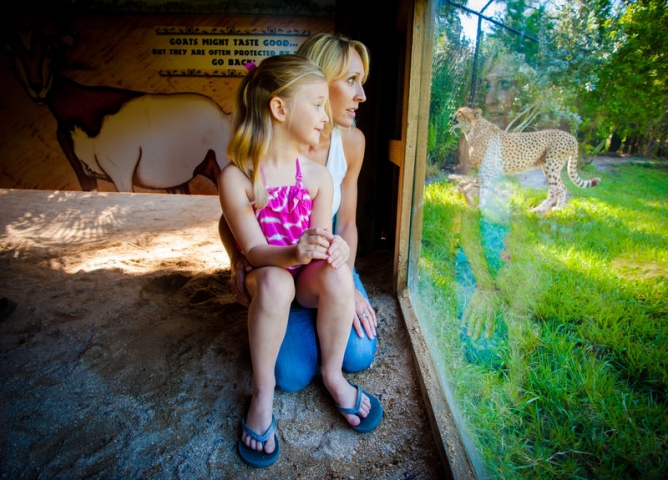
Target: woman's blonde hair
<point x="277" y="76"/>
<point x="331" y="53"/>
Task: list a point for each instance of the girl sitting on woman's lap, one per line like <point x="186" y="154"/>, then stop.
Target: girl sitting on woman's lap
<point x="278" y="205"/>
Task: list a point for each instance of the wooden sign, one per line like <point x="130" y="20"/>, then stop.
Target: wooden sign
<point x="220" y="52"/>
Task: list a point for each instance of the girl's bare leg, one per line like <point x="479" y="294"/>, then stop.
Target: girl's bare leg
<point x="272" y="290"/>
<point x="332" y="292"/>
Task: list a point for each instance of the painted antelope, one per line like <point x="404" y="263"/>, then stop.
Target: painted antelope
<point x="131" y="138"/>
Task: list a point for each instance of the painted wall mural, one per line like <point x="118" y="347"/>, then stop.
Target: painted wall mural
<point x="129" y="103"/>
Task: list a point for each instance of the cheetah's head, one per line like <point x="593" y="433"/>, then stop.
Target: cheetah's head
<point x="465" y="118"/>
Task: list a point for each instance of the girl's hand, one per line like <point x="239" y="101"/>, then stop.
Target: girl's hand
<point x="313" y="245"/>
<point x="338" y="252"/>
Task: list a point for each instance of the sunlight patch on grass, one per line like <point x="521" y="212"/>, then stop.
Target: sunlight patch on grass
<point x="636" y="269"/>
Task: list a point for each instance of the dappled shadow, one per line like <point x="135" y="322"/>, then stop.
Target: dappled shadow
<point x="126" y="356"/>
<point x="57" y="218"/>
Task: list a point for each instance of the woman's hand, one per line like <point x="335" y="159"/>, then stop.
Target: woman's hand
<point x="481" y="312"/>
<point x="364" y="319"/>
<point x="239" y="268"/>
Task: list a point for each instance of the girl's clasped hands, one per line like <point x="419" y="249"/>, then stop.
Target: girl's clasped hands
<point x="320" y="244"/>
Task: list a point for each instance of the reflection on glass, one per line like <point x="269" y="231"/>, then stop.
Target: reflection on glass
<point x="500" y="89"/>
<point x="548" y="331"/>
<point x="511" y="96"/>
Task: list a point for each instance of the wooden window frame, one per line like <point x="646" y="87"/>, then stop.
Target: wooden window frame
<point x="410" y="154"/>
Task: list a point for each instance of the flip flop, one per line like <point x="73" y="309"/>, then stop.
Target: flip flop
<point x="372" y="419"/>
<point x="255" y="458"/>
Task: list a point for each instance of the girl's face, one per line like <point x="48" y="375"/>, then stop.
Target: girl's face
<point x="308" y="115"/>
<point x="347" y="92"/>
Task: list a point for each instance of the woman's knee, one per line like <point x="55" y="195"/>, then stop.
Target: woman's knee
<point x="359" y="285"/>
<point x="295" y="369"/>
<point x="293" y="380"/>
<point x="297" y="362"/>
<point x="360" y="353"/>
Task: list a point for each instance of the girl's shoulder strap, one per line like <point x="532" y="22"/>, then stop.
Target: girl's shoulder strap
<point x="298" y="175"/>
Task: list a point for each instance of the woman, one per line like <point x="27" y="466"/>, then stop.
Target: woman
<point x="345" y="64"/>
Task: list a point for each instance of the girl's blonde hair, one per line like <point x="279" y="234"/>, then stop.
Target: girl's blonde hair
<point x="332" y="54"/>
<point x="277" y="76"/>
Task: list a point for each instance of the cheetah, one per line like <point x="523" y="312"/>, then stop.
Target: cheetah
<point x="494" y="152"/>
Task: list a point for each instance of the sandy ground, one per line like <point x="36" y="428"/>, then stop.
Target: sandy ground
<point x="126" y="357"/>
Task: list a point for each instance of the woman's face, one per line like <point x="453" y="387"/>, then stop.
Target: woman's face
<point x="500" y="93"/>
<point x="347" y="92"/>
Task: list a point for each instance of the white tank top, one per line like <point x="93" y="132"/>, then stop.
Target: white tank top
<point x="337" y="166"/>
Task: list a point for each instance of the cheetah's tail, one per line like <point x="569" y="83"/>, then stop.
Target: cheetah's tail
<point x="575" y="177"/>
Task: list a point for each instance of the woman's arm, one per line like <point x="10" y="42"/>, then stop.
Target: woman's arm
<point x="346" y="219"/>
<point x="239" y="264"/>
<point x="354" y="144"/>
<point x="321" y="190"/>
<point x="318" y="182"/>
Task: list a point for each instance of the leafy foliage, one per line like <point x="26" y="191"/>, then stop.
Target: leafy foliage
<point x="614" y="57"/>
<point x="575" y="384"/>
<point x="598" y="69"/>
<point x="451" y="74"/>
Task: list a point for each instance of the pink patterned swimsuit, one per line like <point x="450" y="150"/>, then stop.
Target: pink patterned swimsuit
<point x="287" y="214"/>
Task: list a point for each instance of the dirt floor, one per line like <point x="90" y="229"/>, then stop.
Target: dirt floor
<point x="126" y="357"/>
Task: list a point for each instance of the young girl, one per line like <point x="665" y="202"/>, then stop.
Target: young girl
<point x="278" y="205"/>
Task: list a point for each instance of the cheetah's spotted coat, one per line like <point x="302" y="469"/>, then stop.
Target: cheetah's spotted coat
<point x="548" y="149"/>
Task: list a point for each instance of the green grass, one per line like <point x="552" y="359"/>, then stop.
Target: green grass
<point x="578" y="386"/>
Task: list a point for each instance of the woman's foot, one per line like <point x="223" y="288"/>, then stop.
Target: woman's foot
<point x="362" y="410"/>
<point x="345" y="395"/>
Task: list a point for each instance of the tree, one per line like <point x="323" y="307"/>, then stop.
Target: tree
<point x="612" y="54"/>
<point x="451" y="74"/>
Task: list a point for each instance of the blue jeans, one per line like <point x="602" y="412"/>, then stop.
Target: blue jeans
<point x="298" y="360"/>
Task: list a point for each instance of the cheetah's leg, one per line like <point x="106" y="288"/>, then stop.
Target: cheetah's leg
<point x="563" y="195"/>
<point x="553" y="193"/>
<point x="562" y="191"/>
